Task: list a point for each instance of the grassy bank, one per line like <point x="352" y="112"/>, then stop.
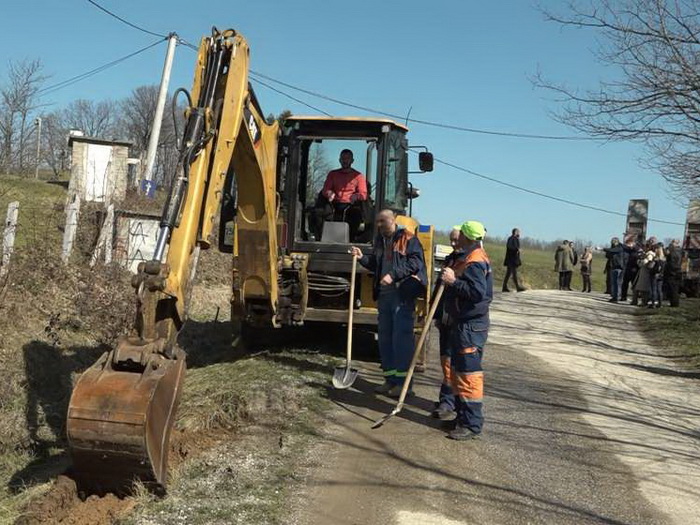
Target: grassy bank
<point x="41" y="206"/>
<point x="676" y="329"/>
<point x="243" y="424"/>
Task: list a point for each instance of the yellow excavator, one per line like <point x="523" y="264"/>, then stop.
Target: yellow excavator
<point x="255" y="183"/>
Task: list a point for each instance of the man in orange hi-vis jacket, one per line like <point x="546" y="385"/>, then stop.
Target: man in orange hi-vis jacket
<point x="468" y="294"/>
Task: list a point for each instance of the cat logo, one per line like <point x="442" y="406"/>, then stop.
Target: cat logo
<point x="252" y="125"/>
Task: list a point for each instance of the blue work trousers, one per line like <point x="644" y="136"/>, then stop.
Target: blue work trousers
<point x="447" y="397"/>
<point x="396" y="341"/>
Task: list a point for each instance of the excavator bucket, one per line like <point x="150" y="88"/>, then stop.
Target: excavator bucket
<point x="119" y="421"/>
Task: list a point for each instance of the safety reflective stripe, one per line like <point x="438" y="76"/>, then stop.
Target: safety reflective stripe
<point x="469" y="350"/>
<point x="478" y="255"/>
<point x="469" y="386"/>
<point x="470" y="401"/>
<point x="390" y="372"/>
<point x="401" y="374"/>
<point x="446" y="370"/>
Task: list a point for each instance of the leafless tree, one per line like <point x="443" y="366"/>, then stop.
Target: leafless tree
<point x="95" y="119"/>
<point x="136" y="119"/>
<point x="655" y="99"/>
<point x="54" y="142"/>
<point x="19" y="99"/>
<point x="319" y="166"/>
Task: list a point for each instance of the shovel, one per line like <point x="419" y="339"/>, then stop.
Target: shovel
<point x="416" y="353"/>
<point x="344" y="377"/>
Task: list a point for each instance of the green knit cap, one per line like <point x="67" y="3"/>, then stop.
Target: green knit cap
<point x="473" y="230"/>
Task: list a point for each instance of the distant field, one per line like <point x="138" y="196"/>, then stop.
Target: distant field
<point x="537" y="271"/>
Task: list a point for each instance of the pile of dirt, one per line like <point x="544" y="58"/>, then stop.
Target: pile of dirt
<point x="62" y="504"/>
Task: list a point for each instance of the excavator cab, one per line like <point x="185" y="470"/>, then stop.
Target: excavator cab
<point x="309" y="149"/>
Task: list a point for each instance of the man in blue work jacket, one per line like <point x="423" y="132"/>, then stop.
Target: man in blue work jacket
<point x="400" y="277"/>
<point x="445" y="406"/>
<point x="468" y="294"/>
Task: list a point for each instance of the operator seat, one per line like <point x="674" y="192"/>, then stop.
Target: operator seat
<point x="336" y="232"/>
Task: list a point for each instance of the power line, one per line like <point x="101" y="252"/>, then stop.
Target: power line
<point x="255" y="74"/>
<point x="123" y="20"/>
<point x="544" y="195"/>
<point x="95" y="71"/>
<point x="419" y="121"/>
<point x="268" y="86"/>
<point x="498" y="181"/>
<point x="495" y="180"/>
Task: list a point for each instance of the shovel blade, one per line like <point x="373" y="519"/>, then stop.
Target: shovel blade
<point x="379" y="422"/>
<point x="344" y="377"/>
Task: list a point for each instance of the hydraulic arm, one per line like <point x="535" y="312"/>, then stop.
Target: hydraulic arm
<point x="123" y="407"/>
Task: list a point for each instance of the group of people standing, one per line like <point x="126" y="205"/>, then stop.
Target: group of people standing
<point x="400" y="277"/>
<point x="566" y="258"/>
<point x="651" y="270"/>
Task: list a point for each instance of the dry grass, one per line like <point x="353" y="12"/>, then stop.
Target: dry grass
<point x="55" y="320"/>
<point x="676" y="329"/>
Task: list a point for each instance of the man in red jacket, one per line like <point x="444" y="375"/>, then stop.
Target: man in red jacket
<point x="344" y="189"/>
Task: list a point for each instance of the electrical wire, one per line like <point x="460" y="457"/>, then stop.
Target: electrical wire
<point x="95" y="71"/>
<point x="508" y="184"/>
<point x="256" y="77"/>
<point x="123" y="20"/>
<point x="268" y="86"/>
<point x="544" y="195"/>
<point x="357" y="106"/>
<point x="435" y="124"/>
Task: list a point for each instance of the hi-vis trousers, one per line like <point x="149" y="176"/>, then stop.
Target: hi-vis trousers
<point x="467" y="347"/>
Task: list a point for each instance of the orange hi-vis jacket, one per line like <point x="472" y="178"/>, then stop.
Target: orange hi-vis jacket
<point x="470" y="295"/>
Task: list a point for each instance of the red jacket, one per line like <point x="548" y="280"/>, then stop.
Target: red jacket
<point x="344" y="185"/>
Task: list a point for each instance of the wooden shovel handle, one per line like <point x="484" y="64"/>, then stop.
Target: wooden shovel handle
<point x="351" y="308"/>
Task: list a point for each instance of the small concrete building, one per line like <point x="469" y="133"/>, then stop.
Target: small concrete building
<point x="99" y="168"/>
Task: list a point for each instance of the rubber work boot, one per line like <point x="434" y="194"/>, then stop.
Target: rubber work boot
<point x="461" y="433"/>
<point x="383" y="388"/>
<point x="395" y="392"/>
<point x="443" y="412"/>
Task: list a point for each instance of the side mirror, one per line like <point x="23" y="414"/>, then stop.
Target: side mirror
<point x="425" y="161"/>
<point x="412" y="193"/>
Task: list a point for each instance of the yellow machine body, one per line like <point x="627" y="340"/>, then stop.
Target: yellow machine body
<point x="123" y="407"/>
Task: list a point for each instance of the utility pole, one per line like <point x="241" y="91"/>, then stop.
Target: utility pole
<point x="38" y="146"/>
<point x="147" y="173"/>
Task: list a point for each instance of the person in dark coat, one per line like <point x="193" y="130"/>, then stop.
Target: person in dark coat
<point x="586" y="268"/>
<point x="673" y="273"/>
<point x="634" y="251"/>
<point x="656" y="272"/>
<point x="618" y="261"/>
<point x="564" y="264"/>
<point x="512" y="261"/>
<point x="574" y="262"/>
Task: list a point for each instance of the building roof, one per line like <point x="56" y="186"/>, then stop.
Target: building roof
<point x="95" y="140"/>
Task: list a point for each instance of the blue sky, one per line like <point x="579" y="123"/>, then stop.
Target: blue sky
<point x="461" y="62"/>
